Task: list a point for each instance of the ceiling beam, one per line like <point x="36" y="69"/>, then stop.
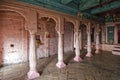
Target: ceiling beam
<point x="65" y="1"/>
<point x="93" y="17"/>
<point x="85" y="4"/>
<point x="62" y="8"/>
<point x="53" y="6"/>
<point x="108" y="7"/>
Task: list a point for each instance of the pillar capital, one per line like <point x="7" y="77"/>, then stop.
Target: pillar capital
<point x="97" y="29"/>
<point x="77" y="24"/>
<point x="88" y="27"/>
<point x="60" y="25"/>
<point x="32" y="32"/>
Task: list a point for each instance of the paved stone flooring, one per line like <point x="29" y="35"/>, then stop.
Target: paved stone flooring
<point x="103" y="66"/>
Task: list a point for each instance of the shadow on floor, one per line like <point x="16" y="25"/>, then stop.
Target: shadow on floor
<point x="43" y="63"/>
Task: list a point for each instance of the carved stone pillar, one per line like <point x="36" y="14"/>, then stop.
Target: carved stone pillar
<point x="89" y="54"/>
<point x="60" y="63"/>
<point x="77" y="44"/>
<point x="97" y="39"/>
<point x="32" y="58"/>
<point x="74" y="39"/>
<point x="80" y="40"/>
<point x="60" y="30"/>
<point x="77" y="49"/>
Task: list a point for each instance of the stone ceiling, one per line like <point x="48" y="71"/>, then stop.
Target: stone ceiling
<point x="89" y="8"/>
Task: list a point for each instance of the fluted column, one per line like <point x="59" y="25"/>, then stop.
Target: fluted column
<point x="89" y="54"/>
<point x="97" y="39"/>
<point x="77" y="48"/>
<point x="60" y="63"/>
<point x="32" y="58"/>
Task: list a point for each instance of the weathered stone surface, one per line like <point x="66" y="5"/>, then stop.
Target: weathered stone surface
<point x="104" y="66"/>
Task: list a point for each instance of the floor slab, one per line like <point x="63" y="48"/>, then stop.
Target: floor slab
<point x="103" y="66"/>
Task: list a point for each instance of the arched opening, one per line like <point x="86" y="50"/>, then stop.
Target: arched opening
<point x="68" y="36"/>
<point x="47" y="36"/>
<point x="13" y="38"/>
<point x="83" y="35"/>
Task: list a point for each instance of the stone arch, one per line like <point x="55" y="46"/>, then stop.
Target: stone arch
<point x="13" y="37"/>
<point x="48" y="37"/>
<point x="52" y="17"/>
<point x="68" y="36"/>
<point x="18" y="12"/>
<point x="71" y="21"/>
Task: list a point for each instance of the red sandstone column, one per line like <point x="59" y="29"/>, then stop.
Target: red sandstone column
<point x="32" y="58"/>
<point x="89" y="54"/>
<point x="97" y="39"/>
<point x="60" y="63"/>
<point x="77" y="48"/>
<point x="74" y="39"/>
<point x="77" y="43"/>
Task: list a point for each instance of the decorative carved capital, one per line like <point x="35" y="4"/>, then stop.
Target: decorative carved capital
<point x="77" y="24"/>
<point x="88" y="27"/>
<point x="60" y="25"/>
<point x="32" y="32"/>
<point x="80" y="16"/>
<point x="97" y="29"/>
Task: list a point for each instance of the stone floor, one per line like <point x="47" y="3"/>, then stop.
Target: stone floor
<point x="103" y="66"/>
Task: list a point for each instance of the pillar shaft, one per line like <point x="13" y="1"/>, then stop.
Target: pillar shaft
<point x="60" y="47"/>
<point x="74" y="39"/>
<point x="77" y="48"/>
<point x="32" y="59"/>
<point x="89" y="54"/>
<point x="97" y="43"/>
<point x="89" y="43"/>
<point x="97" y="39"/>
<point x="60" y="63"/>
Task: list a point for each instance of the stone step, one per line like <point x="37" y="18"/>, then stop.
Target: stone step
<point x="116" y="52"/>
<point x="117" y="47"/>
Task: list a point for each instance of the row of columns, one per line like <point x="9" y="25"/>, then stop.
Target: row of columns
<point x="89" y="49"/>
<point x="60" y="64"/>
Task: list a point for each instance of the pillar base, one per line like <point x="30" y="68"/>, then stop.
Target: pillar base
<point x="97" y="51"/>
<point x="32" y="74"/>
<point x="89" y="54"/>
<point x="77" y="59"/>
<point x="60" y="64"/>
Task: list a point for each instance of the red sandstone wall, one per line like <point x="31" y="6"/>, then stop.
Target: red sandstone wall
<point x="12" y="38"/>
